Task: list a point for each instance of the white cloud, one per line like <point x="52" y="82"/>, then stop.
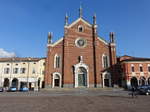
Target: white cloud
<point x="6" y="54"/>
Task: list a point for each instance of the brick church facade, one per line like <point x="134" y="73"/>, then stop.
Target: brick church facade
<point x="81" y="58"/>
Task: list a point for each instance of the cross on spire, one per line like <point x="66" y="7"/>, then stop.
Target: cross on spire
<point x="80" y="11"/>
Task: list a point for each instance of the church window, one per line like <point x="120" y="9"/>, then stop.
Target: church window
<point x="80" y="42"/>
<point x="80" y="28"/>
<point x="57" y="61"/>
<point x="105" y="61"/>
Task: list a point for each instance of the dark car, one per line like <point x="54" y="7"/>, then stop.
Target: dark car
<point x="144" y="90"/>
<point x="1" y="89"/>
<point x="12" y="89"/>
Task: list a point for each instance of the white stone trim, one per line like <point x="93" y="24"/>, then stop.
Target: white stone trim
<point x="107" y="60"/>
<point x="133" y="74"/>
<point x="102" y="41"/>
<point x="103" y="60"/>
<point x="139" y="62"/>
<point x="77" y="66"/>
<point x="132" y="65"/>
<point x="56" y="55"/>
<point x="80" y="38"/>
<point x="60" y="81"/>
<point x="103" y="77"/>
<point x="57" y="42"/>
<point x="141" y="74"/>
<point x="55" y="60"/>
<point x="79" y="19"/>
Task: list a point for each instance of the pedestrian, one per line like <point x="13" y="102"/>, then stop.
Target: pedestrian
<point x="133" y="92"/>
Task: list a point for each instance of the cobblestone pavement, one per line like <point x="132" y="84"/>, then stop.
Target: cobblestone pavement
<point x="74" y="92"/>
<point x="73" y="100"/>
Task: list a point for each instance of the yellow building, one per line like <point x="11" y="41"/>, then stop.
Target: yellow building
<point x="20" y="72"/>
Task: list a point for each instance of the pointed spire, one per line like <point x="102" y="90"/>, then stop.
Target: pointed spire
<point x="112" y="37"/>
<point x="66" y="20"/>
<point x="94" y="19"/>
<point x="49" y="38"/>
<point x="80" y="11"/>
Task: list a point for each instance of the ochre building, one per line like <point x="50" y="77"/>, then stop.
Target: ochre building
<point x="22" y="72"/>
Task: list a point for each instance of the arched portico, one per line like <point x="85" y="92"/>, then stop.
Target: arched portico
<point x="6" y="83"/>
<point x="134" y="82"/>
<point x="57" y="80"/>
<point x="148" y="81"/>
<point x="81" y="75"/>
<point x="142" y="81"/>
<point x="14" y="83"/>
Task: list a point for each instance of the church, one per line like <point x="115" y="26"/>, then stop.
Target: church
<point x="81" y="58"/>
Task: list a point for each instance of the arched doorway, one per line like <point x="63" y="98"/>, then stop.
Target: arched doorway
<point x="82" y="77"/>
<point x="148" y="81"/>
<point x="142" y="81"/>
<point x="81" y="72"/>
<point x="56" y="80"/>
<point x="15" y="83"/>
<point x="6" y="82"/>
<point x="134" y="82"/>
<point x="106" y="79"/>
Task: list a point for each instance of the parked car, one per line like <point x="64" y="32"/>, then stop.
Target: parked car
<point x="1" y="89"/>
<point x="144" y="90"/>
<point x="24" y="89"/>
<point x="12" y="89"/>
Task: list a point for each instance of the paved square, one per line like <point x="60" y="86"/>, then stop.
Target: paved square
<point x="73" y="101"/>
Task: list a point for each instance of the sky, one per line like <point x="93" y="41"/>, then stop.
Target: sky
<point x="24" y="24"/>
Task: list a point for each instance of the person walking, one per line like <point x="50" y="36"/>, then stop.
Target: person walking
<point x="133" y="92"/>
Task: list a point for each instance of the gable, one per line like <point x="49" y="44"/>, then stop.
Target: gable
<point x="56" y="43"/>
<point x="101" y="40"/>
<point x="78" y="20"/>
